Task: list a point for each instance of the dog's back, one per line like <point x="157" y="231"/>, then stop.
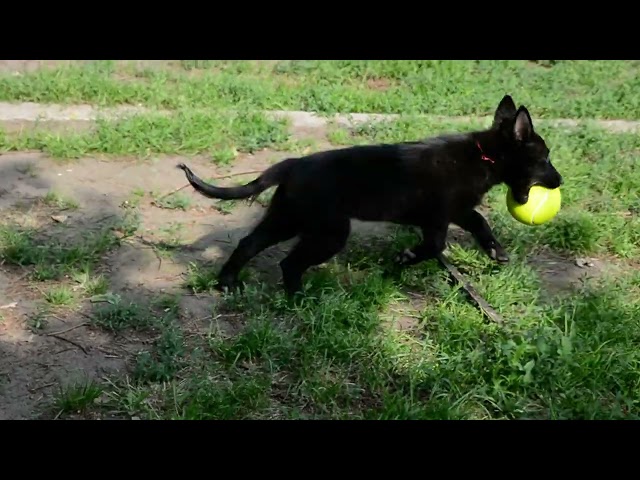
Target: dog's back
<point x="395" y="183"/>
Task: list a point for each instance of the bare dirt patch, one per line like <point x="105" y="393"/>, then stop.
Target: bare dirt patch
<point x="380" y="84"/>
<point x="19" y="66"/>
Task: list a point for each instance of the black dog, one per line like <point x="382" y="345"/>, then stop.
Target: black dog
<point x="428" y="184"/>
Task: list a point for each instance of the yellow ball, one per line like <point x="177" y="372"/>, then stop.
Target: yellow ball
<point x="542" y="206"/>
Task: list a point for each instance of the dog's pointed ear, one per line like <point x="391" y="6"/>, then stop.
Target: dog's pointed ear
<point x="523" y="126"/>
<point x="506" y="111"/>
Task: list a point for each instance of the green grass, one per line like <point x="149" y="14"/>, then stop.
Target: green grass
<point x="92" y="285"/>
<point x="176" y="201"/>
<point x="77" y="397"/>
<point x="50" y="259"/>
<point x="54" y="199"/>
<point x="185" y="133"/>
<point x="120" y="314"/>
<point x="59" y="295"/>
<point x="47" y="259"/>
<point x="566" y="89"/>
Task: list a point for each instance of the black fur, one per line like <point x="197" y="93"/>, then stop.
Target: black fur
<point x="428" y="184"/>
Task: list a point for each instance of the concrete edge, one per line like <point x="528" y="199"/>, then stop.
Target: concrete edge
<point x="36" y="113"/>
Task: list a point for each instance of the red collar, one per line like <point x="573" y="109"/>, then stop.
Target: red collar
<point x="482" y="155"/>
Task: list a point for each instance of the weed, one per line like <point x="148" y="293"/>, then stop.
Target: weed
<point x="200" y="279"/>
<point x="166" y="360"/>
<point x="134" y="199"/>
<point x="176" y="201"/>
<point x="59" y="295"/>
<point x="92" y="285"/>
<point x="54" y="199"/>
<point x="120" y="315"/>
<point x="50" y="258"/>
<point x="77" y="397"/>
<point x="38" y="321"/>
<point x="226" y="206"/>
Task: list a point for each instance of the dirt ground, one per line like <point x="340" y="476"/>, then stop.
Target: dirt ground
<point x="35" y="362"/>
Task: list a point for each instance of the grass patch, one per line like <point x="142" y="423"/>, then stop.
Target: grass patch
<point x="201" y="279"/>
<point x="226" y="206"/>
<point x="331" y="356"/>
<point x="92" y="285"/>
<point x="38" y="321"/>
<point x="59" y="296"/>
<point x="577" y="89"/>
<point x="184" y="133"/>
<point x="118" y="315"/>
<point x="167" y="358"/>
<point x="49" y="258"/>
<point x="54" y="199"/>
<point x="77" y="397"/>
<point x="177" y="201"/>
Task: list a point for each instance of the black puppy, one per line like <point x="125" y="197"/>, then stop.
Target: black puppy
<point x="428" y="184"/>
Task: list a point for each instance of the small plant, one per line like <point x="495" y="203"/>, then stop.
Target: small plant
<point x="117" y="316"/>
<point x="97" y="285"/>
<point x="38" y="321"/>
<point x="134" y="199"/>
<point x="200" y="279"/>
<point x="77" y="397"/>
<point x="226" y="206"/>
<point x="166" y="360"/>
<point x="175" y="201"/>
<point x="224" y="156"/>
<point x="56" y="200"/>
<point x="59" y="296"/>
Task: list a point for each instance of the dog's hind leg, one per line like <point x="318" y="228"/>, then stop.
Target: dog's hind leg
<point x="433" y="243"/>
<point x="474" y="223"/>
<point x="277" y="226"/>
<point x="313" y="249"/>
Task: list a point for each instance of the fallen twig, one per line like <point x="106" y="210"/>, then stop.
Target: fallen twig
<point x="9" y="305"/>
<point x="471" y="291"/>
<point x="35" y="389"/>
<point x="69" y="341"/>
<point x="53" y="334"/>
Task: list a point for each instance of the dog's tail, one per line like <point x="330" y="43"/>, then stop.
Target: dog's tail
<point x="273" y="175"/>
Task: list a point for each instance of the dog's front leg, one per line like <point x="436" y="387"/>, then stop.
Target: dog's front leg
<point x="433" y="243"/>
<point x="474" y="223"/>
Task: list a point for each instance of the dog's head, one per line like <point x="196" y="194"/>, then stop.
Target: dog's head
<point x="525" y="154"/>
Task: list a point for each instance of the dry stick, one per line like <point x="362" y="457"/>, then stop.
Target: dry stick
<point x="67" y="329"/>
<point x="70" y="341"/>
<point x="236" y="174"/>
<point x="471" y="291"/>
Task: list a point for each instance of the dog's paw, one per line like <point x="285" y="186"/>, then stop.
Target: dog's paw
<point x="498" y="254"/>
<point x="228" y="285"/>
<point x="406" y="258"/>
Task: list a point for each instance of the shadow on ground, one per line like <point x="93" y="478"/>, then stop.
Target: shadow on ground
<point x="60" y="220"/>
